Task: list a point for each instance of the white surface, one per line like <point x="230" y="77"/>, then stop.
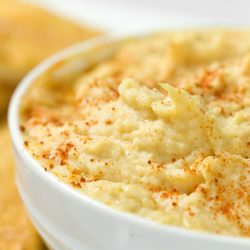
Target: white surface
<point x="68" y="219"/>
<point x="115" y="16"/>
<point x="124" y="16"/>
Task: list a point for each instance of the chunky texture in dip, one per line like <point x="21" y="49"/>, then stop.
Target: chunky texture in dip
<point x="161" y="129"/>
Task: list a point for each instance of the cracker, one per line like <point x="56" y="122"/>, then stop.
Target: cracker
<point x="16" y="230"/>
<point x="29" y="34"/>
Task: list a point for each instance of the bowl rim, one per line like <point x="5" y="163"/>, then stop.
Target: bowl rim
<point x="18" y="143"/>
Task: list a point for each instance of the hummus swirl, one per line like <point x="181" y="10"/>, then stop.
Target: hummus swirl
<point x="161" y="129"/>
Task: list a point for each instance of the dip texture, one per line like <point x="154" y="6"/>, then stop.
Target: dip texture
<point x="161" y="129"/>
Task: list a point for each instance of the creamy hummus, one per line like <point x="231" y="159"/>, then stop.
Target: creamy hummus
<point x="161" y="129"/>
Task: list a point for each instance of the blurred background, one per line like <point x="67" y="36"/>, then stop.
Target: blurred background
<point x="32" y="30"/>
<point x="130" y="15"/>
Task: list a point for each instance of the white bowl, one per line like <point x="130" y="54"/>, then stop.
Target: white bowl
<point x="66" y="218"/>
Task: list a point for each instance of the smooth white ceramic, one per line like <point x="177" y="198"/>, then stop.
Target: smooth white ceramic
<point x="67" y="219"/>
